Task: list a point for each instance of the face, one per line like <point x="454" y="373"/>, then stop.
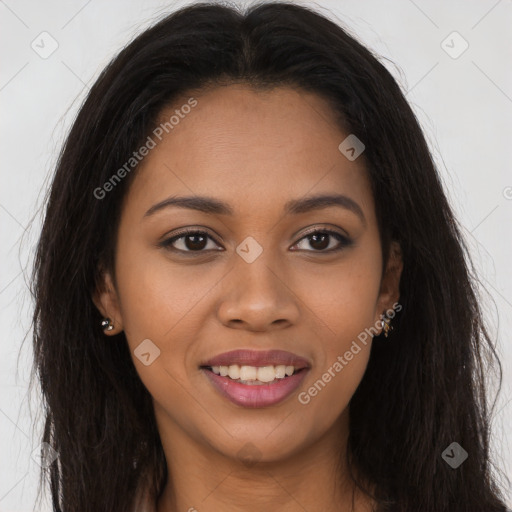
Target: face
<point x="269" y="272"/>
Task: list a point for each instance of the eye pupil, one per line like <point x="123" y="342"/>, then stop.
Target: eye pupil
<point x="195" y="245"/>
<point x="322" y="245"/>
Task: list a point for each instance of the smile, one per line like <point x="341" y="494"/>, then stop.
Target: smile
<point x="271" y="377"/>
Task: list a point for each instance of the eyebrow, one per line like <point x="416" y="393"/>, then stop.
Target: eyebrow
<point x="211" y="205"/>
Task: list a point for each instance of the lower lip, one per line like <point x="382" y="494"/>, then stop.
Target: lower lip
<point x="262" y="395"/>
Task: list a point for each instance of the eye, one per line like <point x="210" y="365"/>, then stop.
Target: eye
<point x="189" y="241"/>
<point x="320" y="240"/>
<point x="197" y="241"/>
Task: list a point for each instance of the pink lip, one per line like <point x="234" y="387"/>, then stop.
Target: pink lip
<point x="258" y="358"/>
<point x="256" y="396"/>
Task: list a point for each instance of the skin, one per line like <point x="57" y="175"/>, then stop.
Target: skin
<point x="255" y="151"/>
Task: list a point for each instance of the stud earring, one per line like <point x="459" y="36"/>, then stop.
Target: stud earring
<point x="107" y="324"/>
<point x="386" y="325"/>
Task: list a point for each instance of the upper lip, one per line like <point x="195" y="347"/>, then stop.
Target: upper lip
<point x="258" y="358"/>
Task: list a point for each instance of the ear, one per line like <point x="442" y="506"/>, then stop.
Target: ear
<point x="105" y="298"/>
<point x="389" y="293"/>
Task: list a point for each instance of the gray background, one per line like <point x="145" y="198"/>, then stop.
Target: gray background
<point x="464" y="105"/>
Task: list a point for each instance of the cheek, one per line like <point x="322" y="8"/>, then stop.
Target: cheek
<point x="342" y="299"/>
<point x="344" y="305"/>
<point x="157" y="296"/>
<point x="161" y="305"/>
<point x="329" y="390"/>
<point x="345" y="314"/>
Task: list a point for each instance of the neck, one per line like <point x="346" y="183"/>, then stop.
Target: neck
<point x="315" y="478"/>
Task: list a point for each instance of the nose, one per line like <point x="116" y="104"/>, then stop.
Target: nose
<point x="257" y="296"/>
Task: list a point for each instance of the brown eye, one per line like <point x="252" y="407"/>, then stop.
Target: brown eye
<point x="189" y="241"/>
<point x="321" y="241"/>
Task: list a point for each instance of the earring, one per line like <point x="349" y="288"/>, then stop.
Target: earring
<point x="386" y="325"/>
<point x="107" y="324"/>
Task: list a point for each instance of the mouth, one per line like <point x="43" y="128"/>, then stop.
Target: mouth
<point x="255" y="378"/>
<point x="254" y="375"/>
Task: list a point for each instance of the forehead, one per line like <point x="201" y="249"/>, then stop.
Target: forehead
<point x="251" y="148"/>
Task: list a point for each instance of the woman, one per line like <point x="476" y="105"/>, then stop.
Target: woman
<point x="250" y="288"/>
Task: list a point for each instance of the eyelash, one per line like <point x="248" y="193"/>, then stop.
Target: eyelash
<point x="343" y="240"/>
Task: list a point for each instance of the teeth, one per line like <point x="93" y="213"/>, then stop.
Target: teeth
<point x="254" y="374"/>
<point x="264" y="374"/>
<point x="248" y="372"/>
<point x="234" y="372"/>
<point x="289" y="370"/>
<point x="280" y="371"/>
